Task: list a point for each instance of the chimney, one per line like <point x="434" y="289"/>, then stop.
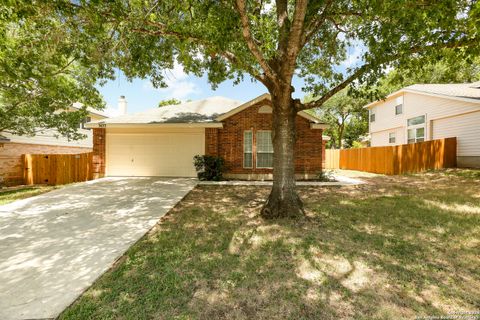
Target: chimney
<point x="122" y="105"/>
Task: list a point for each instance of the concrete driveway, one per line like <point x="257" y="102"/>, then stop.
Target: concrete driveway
<point x="54" y="246"/>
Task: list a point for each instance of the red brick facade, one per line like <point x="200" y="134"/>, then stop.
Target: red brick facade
<point x="227" y="142"/>
<point x="99" y="152"/>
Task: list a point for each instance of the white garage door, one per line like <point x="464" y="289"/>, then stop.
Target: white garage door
<point x="465" y="127"/>
<point x="154" y="153"/>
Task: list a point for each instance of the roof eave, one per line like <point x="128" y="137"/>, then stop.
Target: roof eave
<point x="391" y="95"/>
<point x="322" y="126"/>
<point x="101" y="124"/>
<point x="431" y="94"/>
<point x="256" y="100"/>
<point x="243" y="107"/>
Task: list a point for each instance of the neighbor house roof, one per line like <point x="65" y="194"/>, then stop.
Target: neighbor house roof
<point x="207" y="112"/>
<point x="3" y="139"/>
<point x="469" y="92"/>
<point x="78" y="106"/>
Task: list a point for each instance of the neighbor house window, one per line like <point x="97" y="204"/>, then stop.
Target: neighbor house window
<point x="372" y="117"/>
<point x="391" y="137"/>
<point x="264" y="149"/>
<point x="398" y="109"/>
<point x="85" y="120"/>
<point x="247" y="149"/>
<point x="416" y="129"/>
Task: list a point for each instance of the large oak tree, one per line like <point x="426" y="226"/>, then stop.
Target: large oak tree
<point x="273" y="42"/>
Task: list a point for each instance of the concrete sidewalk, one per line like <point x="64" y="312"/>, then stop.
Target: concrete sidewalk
<point x="54" y="246"/>
<point x="340" y="181"/>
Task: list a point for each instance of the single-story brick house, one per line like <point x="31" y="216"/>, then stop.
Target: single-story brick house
<point x="163" y="141"/>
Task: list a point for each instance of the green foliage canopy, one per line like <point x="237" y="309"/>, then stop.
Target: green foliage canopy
<point x="169" y="102"/>
<point x="275" y="41"/>
<point x="42" y="72"/>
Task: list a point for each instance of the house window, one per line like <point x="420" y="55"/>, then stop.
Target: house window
<point x="372" y="117"/>
<point x="264" y="149"/>
<point x="416" y="121"/>
<point x="391" y="137"/>
<point x="398" y="109"/>
<point x="247" y="149"/>
<point x="85" y="120"/>
<point x="416" y="129"/>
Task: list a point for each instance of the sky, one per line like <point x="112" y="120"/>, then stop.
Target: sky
<point x="141" y="95"/>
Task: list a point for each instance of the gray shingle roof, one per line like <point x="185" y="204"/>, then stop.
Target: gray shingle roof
<point x="460" y="90"/>
<point x="200" y="111"/>
<point x="3" y="139"/>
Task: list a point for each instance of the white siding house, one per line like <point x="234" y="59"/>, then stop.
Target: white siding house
<point x="427" y="112"/>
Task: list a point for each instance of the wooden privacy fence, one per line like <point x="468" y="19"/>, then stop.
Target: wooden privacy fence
<point x="406" y="158"/>
<point x="332" y="158"/>
<point x="56" y="169"/>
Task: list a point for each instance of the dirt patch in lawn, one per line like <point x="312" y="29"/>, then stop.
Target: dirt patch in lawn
<point x="397" y="247"/>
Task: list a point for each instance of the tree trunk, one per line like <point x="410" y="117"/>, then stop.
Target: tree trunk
<point x="283" y="201"/>
<point x="340" y="136"/>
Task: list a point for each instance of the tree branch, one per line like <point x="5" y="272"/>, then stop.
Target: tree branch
<point x="233" y="59"/>
<point x="252" y="46"/>
<point x="367" y="67"/>
<point x="283" y="24"/>
<point x="295" y="36"/>
<point x="314" y="25"/>
<point x="202" y="42"/>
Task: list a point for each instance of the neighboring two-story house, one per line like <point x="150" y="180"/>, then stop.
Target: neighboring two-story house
<point x="12" y="147"/>
<point x="424" y="112"/>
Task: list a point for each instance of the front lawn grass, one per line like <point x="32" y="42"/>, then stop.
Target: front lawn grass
<point x="10" y="195"/>
<point x="396" y="248"/>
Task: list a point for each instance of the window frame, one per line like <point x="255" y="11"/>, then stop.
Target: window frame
<point x="256" y="149"/>
<point x="415" y="128"/>
<point x="401" y="109"/>
<point x="372" y="114"/>
<point x="251" y="149"/>
<point x="390" y="137"/>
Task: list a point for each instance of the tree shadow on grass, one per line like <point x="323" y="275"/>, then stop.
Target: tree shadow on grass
<point x="378" y="251"/>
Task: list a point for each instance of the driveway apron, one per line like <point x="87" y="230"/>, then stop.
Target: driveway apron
<point x="54" y="246"/>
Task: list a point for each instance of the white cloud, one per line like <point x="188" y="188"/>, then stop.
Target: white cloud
<point x="178" y="84"/>
<point x="267" y="7"/>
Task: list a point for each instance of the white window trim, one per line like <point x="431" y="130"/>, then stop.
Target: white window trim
<point x="395" y="109"/>
<point x="251" y="152"/>
<point x="370" y="117"/>
<point x="256" y="149"/>
<point x="394" y="137"/>
<point x="416" y="126"/>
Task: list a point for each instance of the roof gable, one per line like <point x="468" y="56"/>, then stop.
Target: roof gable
<point x="468" y="92"/>
<point x="258" y="99"/>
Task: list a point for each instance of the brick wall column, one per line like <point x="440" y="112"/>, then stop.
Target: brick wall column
<point x="99" y="141"/>
<point x="324" y="143"/>
<point x="211" y="141"/>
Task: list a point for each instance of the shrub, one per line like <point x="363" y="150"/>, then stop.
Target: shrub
<point x="326" y="176"/>
<point x="209" y="168"/>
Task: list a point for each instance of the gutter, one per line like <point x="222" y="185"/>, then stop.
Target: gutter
<point x="102" y="124"/>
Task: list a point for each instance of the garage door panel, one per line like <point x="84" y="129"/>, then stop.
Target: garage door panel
<point x="161" y="154"/>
